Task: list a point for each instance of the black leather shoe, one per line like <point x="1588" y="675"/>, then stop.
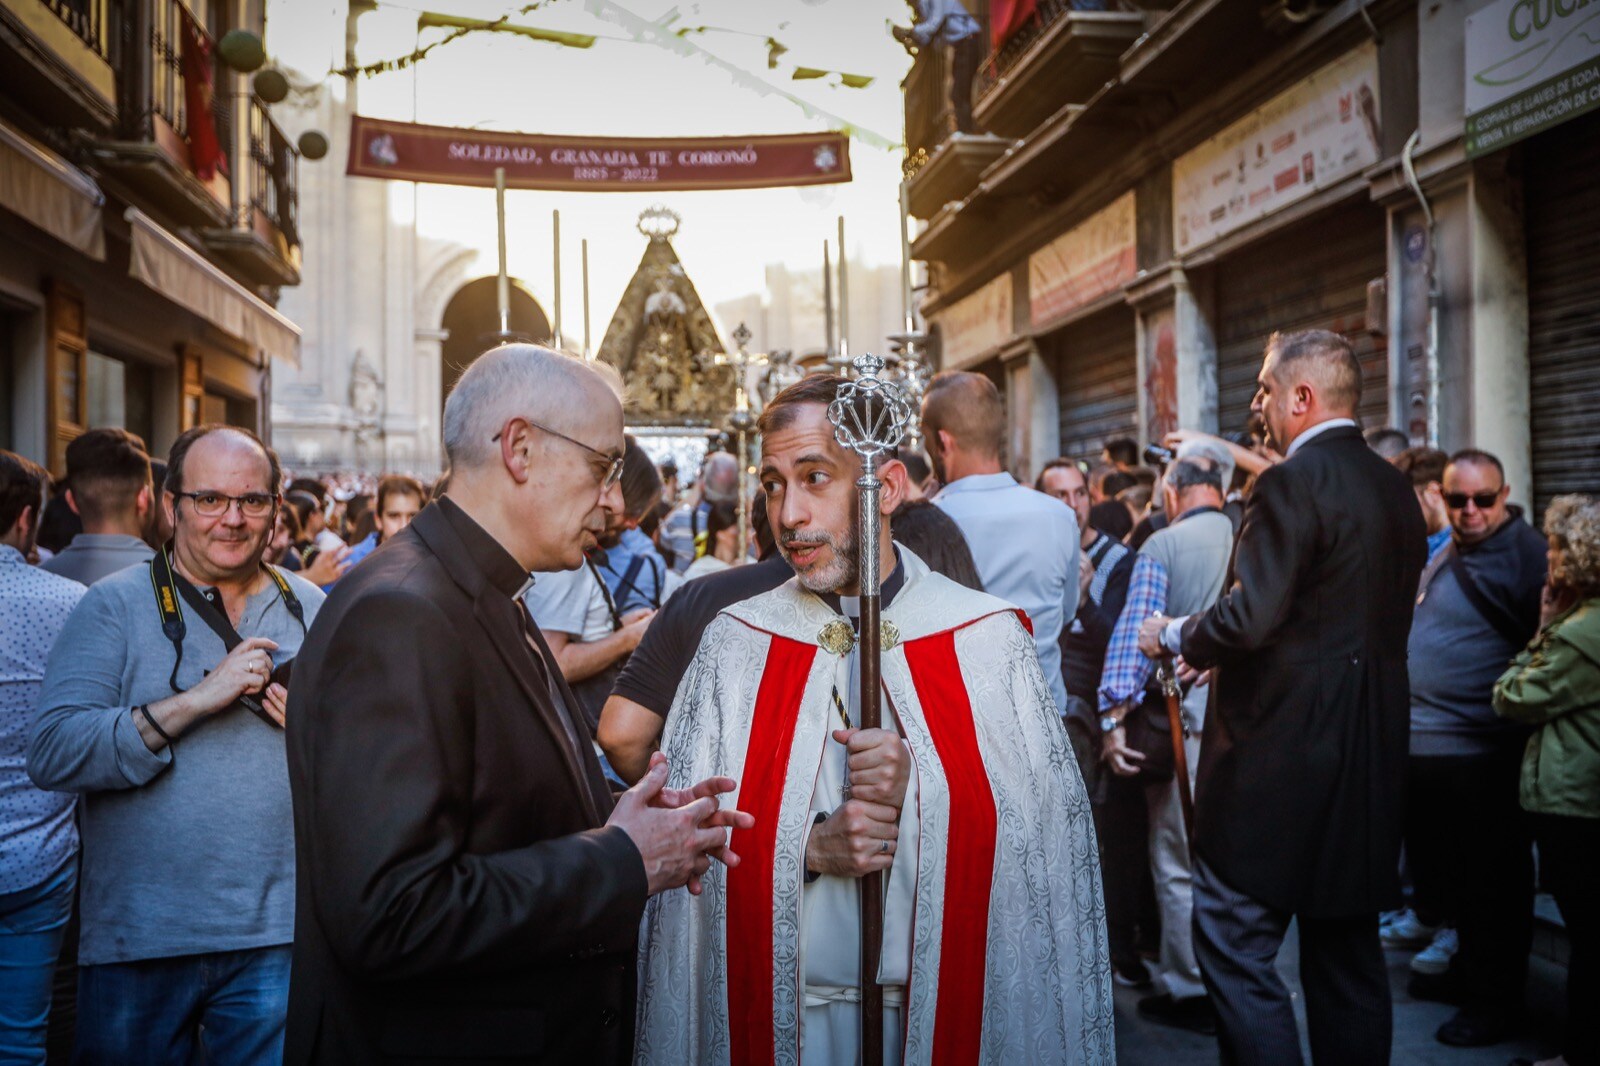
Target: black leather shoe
<point x="1479" y="1028"/>
<point x="1436" y="988"/>
<point x="1193" y="1013"/>
<point x="1131" y="973"/>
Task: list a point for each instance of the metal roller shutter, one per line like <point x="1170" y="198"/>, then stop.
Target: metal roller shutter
<point x="1563" y="233"/>
<point x="1312" y="277"/>
<point x="1097" y="380"/>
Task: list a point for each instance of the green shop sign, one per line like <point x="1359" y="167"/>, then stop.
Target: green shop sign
<point x="1531" y="64"/>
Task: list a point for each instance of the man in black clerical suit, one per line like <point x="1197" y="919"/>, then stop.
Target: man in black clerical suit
<point x="466" y="887"/>
<point x="1299" y="799"/>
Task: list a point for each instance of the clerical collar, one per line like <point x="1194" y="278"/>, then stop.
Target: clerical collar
<point x="489" y="555"/>
<point x="891" y="587"/>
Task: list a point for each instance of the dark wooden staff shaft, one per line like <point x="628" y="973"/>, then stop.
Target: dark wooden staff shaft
<point x="1180" y="754"/>
<point x="872" y="883"/>
<point x="871" y="714"/>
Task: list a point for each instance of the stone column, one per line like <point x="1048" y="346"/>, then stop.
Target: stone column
<point x="1177" y="352"/>
<point x="1033" y="434"/>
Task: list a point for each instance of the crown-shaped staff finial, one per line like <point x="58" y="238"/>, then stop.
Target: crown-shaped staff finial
<point x="870" y="414"/>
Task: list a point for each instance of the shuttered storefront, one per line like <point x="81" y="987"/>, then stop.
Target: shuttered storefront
<point x="1097" y="379"/>
<point x="1314" y="276"/>
<point x="1563" y="235"/>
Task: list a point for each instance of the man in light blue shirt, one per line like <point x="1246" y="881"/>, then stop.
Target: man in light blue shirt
<point x="109" y="471"/>
<point x="38" y="838"/>
<point x="1024" y="542"/>
<point x="948" y="24"/>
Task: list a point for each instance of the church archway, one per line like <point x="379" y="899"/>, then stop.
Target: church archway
<point x="472" y="321"/>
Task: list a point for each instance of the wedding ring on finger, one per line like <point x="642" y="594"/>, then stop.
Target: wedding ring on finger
<point x="883" y="847"/>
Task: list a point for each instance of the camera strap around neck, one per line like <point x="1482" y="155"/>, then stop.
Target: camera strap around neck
<point x="169" y="585"/>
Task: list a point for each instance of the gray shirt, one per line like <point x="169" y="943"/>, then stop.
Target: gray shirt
<point x="1195" y="550"/>
<point x="191" y="849"/>
<point x="1455" y="657"/>
<point x="92" y="556"/>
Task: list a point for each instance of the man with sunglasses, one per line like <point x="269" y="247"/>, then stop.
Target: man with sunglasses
<point x="175" y="744"/>
<point x="1477" y="607"/>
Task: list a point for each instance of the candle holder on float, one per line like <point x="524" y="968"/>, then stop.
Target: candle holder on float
<point x="910" y="373"/>
<point x="741" y="422"/>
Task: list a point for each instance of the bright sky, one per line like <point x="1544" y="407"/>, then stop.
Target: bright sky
<point x="622" y="88"/>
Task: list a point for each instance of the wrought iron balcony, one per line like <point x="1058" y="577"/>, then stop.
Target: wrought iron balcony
<point x="181" y="162"/>
<point x="97" y="23"/>
<point x="1062" y="54"/>
<point x="941" y="166"/>
<point x="263" y="241"/>
<point x="61" y="56"/>
<point x="929" y="116"/>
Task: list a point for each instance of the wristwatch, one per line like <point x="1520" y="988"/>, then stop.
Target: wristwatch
<point x="1109" y="723"/>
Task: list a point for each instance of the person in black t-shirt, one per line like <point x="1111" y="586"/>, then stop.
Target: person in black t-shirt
<point x="634" y="716"/>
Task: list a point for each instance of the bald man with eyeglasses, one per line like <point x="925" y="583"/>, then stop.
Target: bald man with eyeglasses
<point x="468" y="885"/>
<point x="162" y="711"/>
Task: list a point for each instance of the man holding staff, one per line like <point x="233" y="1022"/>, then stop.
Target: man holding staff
<point x="967" y="800"/>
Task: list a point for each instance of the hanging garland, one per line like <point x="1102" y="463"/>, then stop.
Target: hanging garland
<point x="402" y="62"/>
<point x="643" y="32"/>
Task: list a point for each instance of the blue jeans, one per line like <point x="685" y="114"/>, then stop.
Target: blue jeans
<point x="153" y="1011"/>
<point x="32" y="923"/>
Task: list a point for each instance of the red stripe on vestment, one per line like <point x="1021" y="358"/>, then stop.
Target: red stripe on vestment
<point x="969" y="848"/>
<point x="749" y="931"/>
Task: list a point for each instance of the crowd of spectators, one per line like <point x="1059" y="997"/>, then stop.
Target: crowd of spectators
<point x="147" y="606"/>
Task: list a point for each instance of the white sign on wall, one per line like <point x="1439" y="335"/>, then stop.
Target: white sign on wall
<point x="1531" y="64"/>
<point x="1092" y="259"/>
<point x="1310" y="136"/>
<point x="976" y="324"/>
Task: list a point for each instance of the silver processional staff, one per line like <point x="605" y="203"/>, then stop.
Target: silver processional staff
<point x="870" y="417"/>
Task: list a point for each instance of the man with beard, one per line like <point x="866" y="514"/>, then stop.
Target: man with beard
<point x="994" y="941"/>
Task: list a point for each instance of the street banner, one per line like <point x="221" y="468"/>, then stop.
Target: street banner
<point x="446" y="155"/>
<point x="1092" y="259"/>
<point x="1311" y="136"/>
<point x="975" y="325"/>
<point x="1530" y="65"/>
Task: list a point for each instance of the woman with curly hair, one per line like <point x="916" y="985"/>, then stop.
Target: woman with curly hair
<point x="1554" y="685"/>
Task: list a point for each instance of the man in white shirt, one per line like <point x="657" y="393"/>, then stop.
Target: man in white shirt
<point x="1024" y="542"/>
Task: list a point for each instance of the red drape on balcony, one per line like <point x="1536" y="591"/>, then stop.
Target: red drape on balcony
<point x="206" y="156"/>
<point x="1006" y="17"/>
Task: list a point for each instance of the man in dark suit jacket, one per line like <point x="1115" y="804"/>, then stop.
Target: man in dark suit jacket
<point x="466" y="887"/>
<point x="1299" y="802"/>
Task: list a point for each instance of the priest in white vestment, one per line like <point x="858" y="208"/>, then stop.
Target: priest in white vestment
<point x="994" y="929"/>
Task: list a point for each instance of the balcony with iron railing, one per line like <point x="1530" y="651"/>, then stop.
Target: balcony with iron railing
<point x="940" y="164"/>
<point x="97" y="23"/>
<point x="194" y="145"/>
<point x="263" y="240"/>
<point x="61" y="56"/>
<point x="1057" y="56"/>
<point x="173" y="144"/>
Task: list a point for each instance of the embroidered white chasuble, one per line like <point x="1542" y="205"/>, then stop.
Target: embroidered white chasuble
<point x="995" y="947"/>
